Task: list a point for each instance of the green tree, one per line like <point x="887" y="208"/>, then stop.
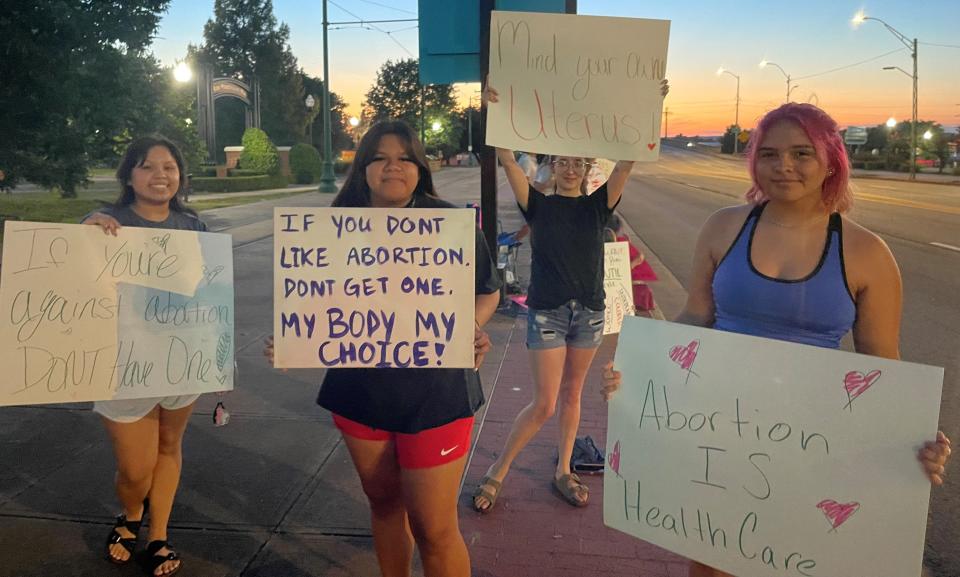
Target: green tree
<point x="444" y="140"/>
<point x="397" y="95"/>
<point x="245" y="41"/>
<point x="71" y="72"/>
<point x="726" y="143"/>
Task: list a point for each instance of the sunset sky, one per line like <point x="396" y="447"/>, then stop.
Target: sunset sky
<point x="833" y="64"/>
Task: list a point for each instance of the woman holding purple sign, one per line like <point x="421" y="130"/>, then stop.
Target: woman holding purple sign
<point x="408" y="430"/>
<point x="790" y="265"/>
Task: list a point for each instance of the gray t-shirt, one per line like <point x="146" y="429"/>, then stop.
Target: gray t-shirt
<point x="176" y="220"/>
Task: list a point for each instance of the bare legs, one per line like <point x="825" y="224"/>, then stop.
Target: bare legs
<point x="410" y="506"/>
<point x="149" y="458"/>
<point x="558" y="373"/>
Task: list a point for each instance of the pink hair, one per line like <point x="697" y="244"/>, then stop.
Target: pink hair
<point x="824" y="133"/>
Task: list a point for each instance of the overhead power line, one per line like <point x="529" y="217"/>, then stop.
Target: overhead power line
<point x="364" y="23"/>
<point x="832" y="70"/>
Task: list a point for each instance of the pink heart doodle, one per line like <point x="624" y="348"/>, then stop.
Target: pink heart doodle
<point x="837" y="513"/>
<point x="652" y="145"/>
<point x="614" y="458"/>
<point x="685" y="356"/>
<point x="857" y="383"/>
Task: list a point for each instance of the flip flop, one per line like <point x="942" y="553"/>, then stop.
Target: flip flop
<point x="490" y="496"/>
<point x="570" y="488"/>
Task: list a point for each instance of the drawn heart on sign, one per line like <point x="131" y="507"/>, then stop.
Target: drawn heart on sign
<point x="614" y="458"/>
<point x="857" y="383"/>
<point x="652" y="145"/>
<point x="685" y="355"/>
<point x="837" y="513"/>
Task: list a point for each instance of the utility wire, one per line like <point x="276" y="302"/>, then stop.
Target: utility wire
<point x="850" y="65"/>
<point x="377" y="28"/>
<point x="940" y="45"/>
<point x="388" y="6"/>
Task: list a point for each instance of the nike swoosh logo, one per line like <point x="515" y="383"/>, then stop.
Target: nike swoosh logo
<point x="445" y="452"/>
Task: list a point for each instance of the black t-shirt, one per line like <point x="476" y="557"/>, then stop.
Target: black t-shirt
<point x="411" y="400"/>
<point x="566" y="235"/>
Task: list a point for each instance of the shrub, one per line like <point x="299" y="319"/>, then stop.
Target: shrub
<point x="305" y="164"/>
<point x="259" y="154"/>
<point x="239" y="183"/>
<point x="243" y="172"/>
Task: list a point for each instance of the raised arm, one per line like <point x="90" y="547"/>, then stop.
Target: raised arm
<point x="616" y="182"/>
<point x="515" y="174"/>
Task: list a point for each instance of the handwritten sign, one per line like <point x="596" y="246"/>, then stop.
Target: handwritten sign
<point x="86" y="316"/>
<point x="766" y="458"/>
<point x="365" y="287"/>
<point x="617" y="286"/>
<point x="577" y="85"/>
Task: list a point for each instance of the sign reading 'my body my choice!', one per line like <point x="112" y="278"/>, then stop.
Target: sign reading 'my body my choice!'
<point x="369" y="287"/>
<point x="86" y="316"/>
<point x="577" y="85"/>
<point x="766" y="458"/>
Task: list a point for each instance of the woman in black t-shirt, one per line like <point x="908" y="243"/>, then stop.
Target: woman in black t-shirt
<point x="408" y="430"/>
<point x="565" y="314"/>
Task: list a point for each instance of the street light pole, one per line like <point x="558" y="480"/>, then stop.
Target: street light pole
<point x="327" y="179"/>
<point x="736" y="121"/>
<point x="860" y="18"/>
<point x="764" y="63"/>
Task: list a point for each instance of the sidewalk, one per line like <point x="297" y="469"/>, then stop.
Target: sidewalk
<point x="274" y="494"/>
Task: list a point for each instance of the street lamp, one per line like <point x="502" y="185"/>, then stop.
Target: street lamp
<point x="470" y="127"/>
<point x="182" y="73"/>
<point x="858" y="19"/>
<point x="927" y="135"/>
<point x="327" y="180"/>
<point x="891" y="122"/>
<point x="764" y="63"/>
<point x="310" y="102"/>
<point x="736" y="122"/>
<point x="354" y="123"/>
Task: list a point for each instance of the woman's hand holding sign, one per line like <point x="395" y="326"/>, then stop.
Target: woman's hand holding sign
<point x="934" y="456"/>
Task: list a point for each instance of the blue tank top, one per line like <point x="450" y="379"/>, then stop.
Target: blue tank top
<point x="815" y="310"/>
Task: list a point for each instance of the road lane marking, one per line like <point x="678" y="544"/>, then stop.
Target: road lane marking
<point x="946" y="246"/>
<point x="907" y="203"/>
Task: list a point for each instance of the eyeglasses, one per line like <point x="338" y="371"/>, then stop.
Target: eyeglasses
<point x="577" y="165"/>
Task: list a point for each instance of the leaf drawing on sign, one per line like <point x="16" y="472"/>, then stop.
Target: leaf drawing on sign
<point x="685" y="356"/>
<point x="223" y="350"/>
<point x="856" y="383"/>
<point x="837" y="513"/>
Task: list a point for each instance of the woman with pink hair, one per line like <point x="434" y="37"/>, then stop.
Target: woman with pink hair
<point x="790" y="265"/>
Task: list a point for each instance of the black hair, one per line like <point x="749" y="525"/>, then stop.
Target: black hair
<point x="355" y="191"/>
<point x="135" y="156"/>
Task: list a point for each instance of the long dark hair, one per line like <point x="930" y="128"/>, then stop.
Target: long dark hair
<point x="355" y="191"/>
<point x="135" y="156"/>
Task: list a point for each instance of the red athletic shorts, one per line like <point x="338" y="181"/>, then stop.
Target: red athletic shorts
<point x="428" y="448"/>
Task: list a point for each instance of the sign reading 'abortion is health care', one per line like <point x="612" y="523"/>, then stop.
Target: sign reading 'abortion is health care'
<point x="365" y="287"/>
<point x="86" y="316"/>
<point x="577" y="85"/>
<point x="766" y="458"/>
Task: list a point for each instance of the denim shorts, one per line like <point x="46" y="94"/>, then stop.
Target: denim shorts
<point x="571" y="325"/>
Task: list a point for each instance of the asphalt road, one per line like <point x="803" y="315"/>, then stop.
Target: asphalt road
<point x="667" y="202"/>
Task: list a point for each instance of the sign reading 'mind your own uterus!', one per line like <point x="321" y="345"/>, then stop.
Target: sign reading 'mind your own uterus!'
<point x="370" y="287"/>
<point x="86" y="316"/>
<point x="577" y="85"/>
<point x="766" y="458"/>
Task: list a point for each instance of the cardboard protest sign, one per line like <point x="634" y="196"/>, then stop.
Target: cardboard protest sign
<point x="761" y="457"/>
<point x="617" y="286"/>
<point x="86" y="316"/>
<point x="577" y="85"/>
<point x="369" y="287"/>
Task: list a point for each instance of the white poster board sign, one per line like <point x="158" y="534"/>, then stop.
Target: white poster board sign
<point x="616" y="285"/>
<point x="373" y="287"/>
<point x="762" y="457"/>
<point x="577" y="85"/>
<point x="86" y="316"/>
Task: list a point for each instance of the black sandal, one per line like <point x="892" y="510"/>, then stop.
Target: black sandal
<point x="128" y="543"/>
<point x="154" y="560"/>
